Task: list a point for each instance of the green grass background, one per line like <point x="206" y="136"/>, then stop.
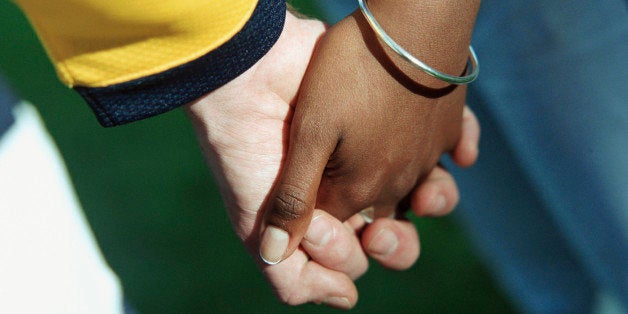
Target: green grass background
<point x="158" y="218"/>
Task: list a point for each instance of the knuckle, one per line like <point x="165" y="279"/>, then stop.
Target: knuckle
<point x="366" y="192"/>
<point x="290" y="203"/>
<point x="402" y="186"/>
<point x="361" y="196"/>
<point x="291" y="298"/>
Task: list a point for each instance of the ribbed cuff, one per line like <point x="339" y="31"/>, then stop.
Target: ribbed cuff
<point x="155" y="94"/>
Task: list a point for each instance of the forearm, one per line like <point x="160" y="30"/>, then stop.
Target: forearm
<point x="437" y="32"/>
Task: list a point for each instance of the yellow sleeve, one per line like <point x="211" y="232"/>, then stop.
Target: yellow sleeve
<point x="108" y="49"/>
<point x="104" y="42"/>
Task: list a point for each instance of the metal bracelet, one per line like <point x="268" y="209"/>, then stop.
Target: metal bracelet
<point x="473" y="67"/>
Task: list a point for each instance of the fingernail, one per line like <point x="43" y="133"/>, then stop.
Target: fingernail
<point x="439" y="203"/>
<point x="368" y="214"/>
<point x="273" y="245"/>
<point x="319" y="232"/>
<point x="338" y="302"/>
<point x="384" y="243"/>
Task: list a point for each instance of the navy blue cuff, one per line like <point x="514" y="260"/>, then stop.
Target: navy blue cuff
<point x="151" y="95"/>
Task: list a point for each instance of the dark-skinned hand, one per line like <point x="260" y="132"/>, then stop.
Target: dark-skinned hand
<point x="367" y="130"/>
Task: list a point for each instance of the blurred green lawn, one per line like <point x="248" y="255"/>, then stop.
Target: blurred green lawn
<point x="158" y="218"/>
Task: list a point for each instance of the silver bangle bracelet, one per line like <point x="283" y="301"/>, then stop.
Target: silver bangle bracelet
<point x="473" y="67"/>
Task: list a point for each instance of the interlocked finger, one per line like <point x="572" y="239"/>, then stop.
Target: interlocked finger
<point x="333" y="245"/>
<point x="298" y="280"/>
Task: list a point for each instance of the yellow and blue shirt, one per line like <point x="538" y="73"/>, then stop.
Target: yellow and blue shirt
<point x="134" y="59"/>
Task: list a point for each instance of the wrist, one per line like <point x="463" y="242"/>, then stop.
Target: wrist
<point x="436" y="32"/>
<point x="266" y="89"/>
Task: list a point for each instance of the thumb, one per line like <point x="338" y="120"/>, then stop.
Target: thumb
<point x="290" y="207"/>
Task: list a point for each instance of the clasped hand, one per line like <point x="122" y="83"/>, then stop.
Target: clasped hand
<point x="322" y="123"/>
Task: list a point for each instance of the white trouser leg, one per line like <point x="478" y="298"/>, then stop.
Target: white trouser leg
<point x="49" y="260"/>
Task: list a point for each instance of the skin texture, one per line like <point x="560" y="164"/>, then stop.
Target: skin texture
<point x="368" y="127"/>
<point x="243" y="130"/>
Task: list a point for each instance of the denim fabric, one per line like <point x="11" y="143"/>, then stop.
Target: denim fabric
<point x="547" y="202"/>
<point x="7" y="102"/>
<point x="332" y="11"/>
